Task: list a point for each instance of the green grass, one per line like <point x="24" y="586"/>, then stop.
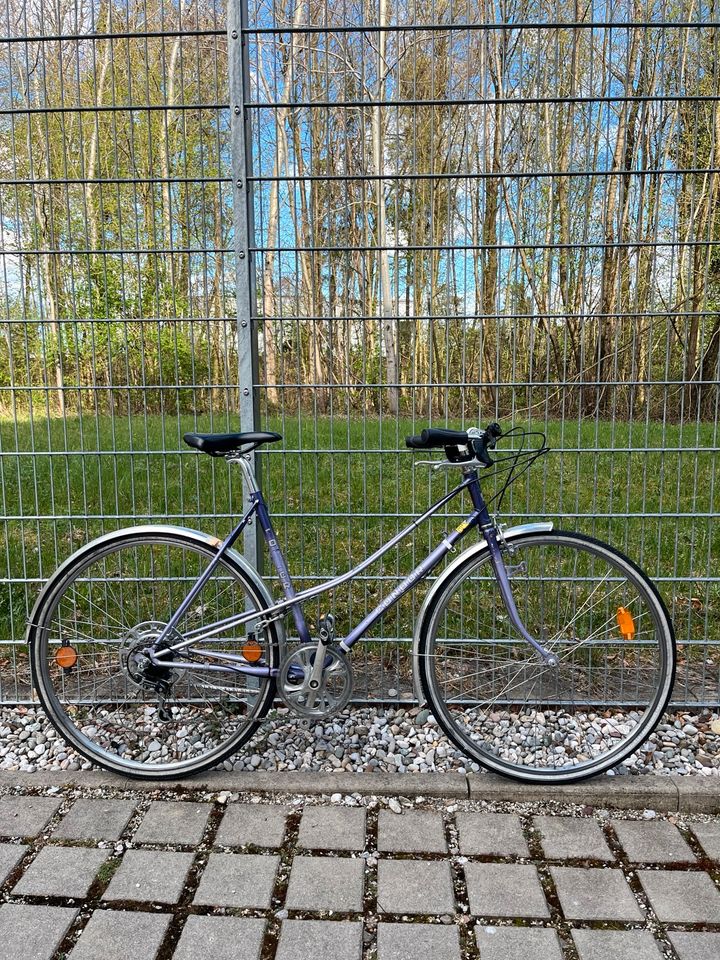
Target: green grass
<point x="359" y="497"/>
<point x="106" y="871"/>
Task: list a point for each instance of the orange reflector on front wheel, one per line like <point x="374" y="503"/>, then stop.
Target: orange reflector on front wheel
<point x="66" y="657"/>
<point x="625" y="623"/>
<point x="252" y="651"/>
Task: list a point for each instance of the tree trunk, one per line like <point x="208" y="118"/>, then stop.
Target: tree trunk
<point x="615" y="226"/>
<point x="388" y="313"/>
<point x="280" y="166"/>
<point x="91" y="164"/>
<point x="44" y="217"/>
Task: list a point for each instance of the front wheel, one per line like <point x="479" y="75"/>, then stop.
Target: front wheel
<point x="90" y="627"/>
<point x="509" y="711"/>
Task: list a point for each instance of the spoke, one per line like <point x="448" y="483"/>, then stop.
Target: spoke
<point x="195" y="636"/>
<point x="506" y="689"/>
<point x="113" y="676"/>
<point x="86" y="639"/>
<point x="585" y="606"/>
<point x="496" y="660"/>
<point x="92" y="603"/>
<point x="498" y="666"/>
<point x="471" y="655"/>
<point x="85" y="671"/>
<point x="107" y="628"/>
<point x="588" y="640"/>
<point x="197" y="612"/>
<point x="108" y="583"/>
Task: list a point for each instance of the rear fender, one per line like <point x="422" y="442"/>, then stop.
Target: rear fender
<point x="205" y="539"/>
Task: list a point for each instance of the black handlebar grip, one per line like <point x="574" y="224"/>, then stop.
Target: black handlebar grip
<point x="439" y="437"/>
<point x="432" y="437"/>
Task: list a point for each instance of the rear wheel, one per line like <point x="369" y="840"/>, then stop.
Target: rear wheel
<point x="99" y="690"/>
<point x="502" y="705"/>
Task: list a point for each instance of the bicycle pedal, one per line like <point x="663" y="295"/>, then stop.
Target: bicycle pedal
<point x="326" y="628"/>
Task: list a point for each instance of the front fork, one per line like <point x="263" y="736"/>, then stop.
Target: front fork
<point x="490" y="533"/>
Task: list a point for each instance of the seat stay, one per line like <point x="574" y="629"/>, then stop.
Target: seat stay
<point x="202" y="580"/>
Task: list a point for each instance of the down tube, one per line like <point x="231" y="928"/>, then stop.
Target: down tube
<point x="422" y="570"/>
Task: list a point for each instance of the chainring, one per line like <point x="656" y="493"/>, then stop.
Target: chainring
<point x="334" y="691"/>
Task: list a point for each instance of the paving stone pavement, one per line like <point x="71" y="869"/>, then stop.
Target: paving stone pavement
<point x="113" y="874"/>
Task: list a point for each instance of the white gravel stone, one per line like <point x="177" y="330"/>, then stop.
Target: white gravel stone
<point x="383" y="740"/>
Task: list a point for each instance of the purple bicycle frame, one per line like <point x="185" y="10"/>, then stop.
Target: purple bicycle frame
<point x="479" y="517"/>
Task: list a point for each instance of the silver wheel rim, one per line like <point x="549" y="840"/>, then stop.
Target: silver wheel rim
<point x="227" y="722"/>
<point x="493" y="752"/>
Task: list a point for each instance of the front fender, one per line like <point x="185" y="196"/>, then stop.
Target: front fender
<point x="475" y="550"/>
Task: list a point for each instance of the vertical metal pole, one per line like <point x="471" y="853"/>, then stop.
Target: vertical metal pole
<point x="241" y="144"/>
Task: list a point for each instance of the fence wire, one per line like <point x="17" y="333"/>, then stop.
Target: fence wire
<point x="441" y="212"/>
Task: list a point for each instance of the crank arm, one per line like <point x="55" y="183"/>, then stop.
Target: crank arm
<point x="313" y="684"/>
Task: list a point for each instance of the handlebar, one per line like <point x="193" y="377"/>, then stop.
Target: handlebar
<point x="475" y="442"/>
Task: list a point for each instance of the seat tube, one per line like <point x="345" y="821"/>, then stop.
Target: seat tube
<point x="276" y="555"/>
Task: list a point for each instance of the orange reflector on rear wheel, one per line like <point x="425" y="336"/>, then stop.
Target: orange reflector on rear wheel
<point x="252" y="651"/>
<point x="625" y="623"/>
<point x="66" y="657"/>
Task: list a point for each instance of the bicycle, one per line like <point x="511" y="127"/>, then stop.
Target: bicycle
<point x="544" y="655"/>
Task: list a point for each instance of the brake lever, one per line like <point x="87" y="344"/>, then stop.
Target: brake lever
<point x="446" y="464"/>
<point x="483" y="456"/>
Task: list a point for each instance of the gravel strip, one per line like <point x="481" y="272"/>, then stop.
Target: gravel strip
<point x="364" y="739"/>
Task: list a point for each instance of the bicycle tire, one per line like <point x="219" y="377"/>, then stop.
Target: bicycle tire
<point x="508" y="760"/>
<point x="45" y="675"/>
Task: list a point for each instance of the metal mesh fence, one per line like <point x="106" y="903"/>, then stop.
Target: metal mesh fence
<point x="118" y="274"/>
<point x="441" y="212"/>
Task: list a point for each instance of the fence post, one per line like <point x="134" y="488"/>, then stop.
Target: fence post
<point x="243" y="232"/>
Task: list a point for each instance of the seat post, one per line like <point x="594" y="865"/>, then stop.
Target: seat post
<point x="245" y="463"/>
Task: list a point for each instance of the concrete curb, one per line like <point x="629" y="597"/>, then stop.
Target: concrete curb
<point x="666" y="794"/>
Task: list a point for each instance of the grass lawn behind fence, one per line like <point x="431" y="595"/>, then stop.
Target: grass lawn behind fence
<point x="64" y="482"/>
